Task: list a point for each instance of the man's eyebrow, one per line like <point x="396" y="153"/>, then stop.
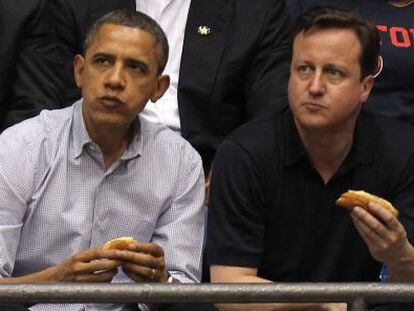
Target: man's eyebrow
<point x="104" y="55"/>
<point x="339" y="66"/>
<point x="138" y="63"/>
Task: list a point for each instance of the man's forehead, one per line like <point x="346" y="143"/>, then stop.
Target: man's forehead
<point x="342" y="41"/>
<point x="331" y="32"/>
<point x="113" y="34"/>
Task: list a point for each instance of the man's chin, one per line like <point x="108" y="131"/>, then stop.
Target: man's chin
<point x="110" y="121"/>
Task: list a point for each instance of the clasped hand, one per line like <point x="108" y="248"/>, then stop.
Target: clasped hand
<point x="142" y="262"/>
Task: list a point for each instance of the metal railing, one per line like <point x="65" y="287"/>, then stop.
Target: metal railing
<point x="357" y="295"/>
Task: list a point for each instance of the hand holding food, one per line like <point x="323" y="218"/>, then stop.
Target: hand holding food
<point x="386" y="238"/>
<point x="142" y="262"/>
<point x="353" y="198"/>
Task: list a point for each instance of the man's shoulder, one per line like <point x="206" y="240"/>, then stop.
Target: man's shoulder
<point x="157" y="137"/>
<point x="43" y="126"/>
<point x="389" y="140"/>
<point x="257" y="142"/>
<point x="388" y="129"/>
<point x="257" y="133"/>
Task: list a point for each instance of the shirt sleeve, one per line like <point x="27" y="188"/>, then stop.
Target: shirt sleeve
<point x="236" y="219"/>
<point x="16" y="174"/>
<point x="180" y="229"/>
<point x="403" y="194"/>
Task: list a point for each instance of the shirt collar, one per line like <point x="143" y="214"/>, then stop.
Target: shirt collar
<point x="81" y="136"/>
<point x="79" y="133"/>
<point x="366" y="139"/>
<point x="294" y="149"/>
<point x="363" y="149"/>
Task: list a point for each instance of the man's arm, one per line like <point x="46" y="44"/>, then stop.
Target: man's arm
<point x="176" y="246"/>
<point x="229" y="274"/>
<point x="17" y="183"/>
<point x="387" y="240"/>
<point x="93" y="265"/>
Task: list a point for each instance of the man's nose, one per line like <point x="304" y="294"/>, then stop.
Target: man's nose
<point x="115" y="78"/>
<point x="317" y="85"/>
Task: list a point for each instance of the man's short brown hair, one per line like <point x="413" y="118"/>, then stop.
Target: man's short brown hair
<point x="326" y="17"/>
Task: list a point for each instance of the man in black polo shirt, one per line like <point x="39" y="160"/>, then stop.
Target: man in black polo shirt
<point x="275" y="182"/>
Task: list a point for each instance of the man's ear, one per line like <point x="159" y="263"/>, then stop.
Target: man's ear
<point x="78" y="67"/>
<point x="163" y="82"/>
<point x="367" y="84"/>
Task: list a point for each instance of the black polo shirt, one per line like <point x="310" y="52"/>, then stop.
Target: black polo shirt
<point x="271" y="210"/>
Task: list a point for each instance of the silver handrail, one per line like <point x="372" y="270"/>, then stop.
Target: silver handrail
<point x="355" y="294"/>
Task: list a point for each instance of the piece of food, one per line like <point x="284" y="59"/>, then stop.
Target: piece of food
<point x="353" y="198"/>
<point x="119" y="243"/>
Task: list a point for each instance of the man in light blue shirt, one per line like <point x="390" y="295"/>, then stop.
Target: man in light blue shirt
<point x="74" y="178"/>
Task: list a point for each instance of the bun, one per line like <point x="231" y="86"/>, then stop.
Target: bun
<point x="119" y="243"/>
<point x="353" y="198"/>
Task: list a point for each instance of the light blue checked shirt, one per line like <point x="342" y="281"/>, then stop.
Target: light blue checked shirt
<point x="57" y="198"/>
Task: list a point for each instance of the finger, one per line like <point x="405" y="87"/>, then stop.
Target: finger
<point x="372" y="224"/>
<point x="141" y="273"/>
<point x="384" y="215"/>
<point x="147" y="248"/>
<point x="98" y="277"/>
<point x="96" y="265"/>
<point x="96" y="253"/>
<point x="142" y="259"/>
<point x="370" y="238"/>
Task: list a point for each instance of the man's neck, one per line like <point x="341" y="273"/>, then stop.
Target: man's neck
<point x="112" y="142"/>
<point x="327" y="149"/>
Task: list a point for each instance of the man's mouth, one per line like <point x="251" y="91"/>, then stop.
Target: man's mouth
<point x="313" y="106"/>
<point x="110" y="101"/>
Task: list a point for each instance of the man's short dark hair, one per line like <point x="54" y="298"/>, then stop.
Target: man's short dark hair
<point x="133" y="19"/>
<point x="326" y="17"/>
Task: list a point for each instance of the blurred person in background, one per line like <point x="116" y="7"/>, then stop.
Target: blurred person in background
<point x="29" y="66"/>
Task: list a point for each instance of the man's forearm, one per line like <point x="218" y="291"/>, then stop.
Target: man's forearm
<point x="277" y="306"/>
<point x="44" y="276"/>
<point x="402" y="268"/>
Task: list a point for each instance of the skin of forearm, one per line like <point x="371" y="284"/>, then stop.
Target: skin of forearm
<point x="268" y="306"/>
<point x="401" y="265"/>
<point x="402" y="268"/>
<point x="44" y="276"/>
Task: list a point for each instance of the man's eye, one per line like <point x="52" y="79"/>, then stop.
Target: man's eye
<point x="101" y="61"/>
<point x="334" y="73"/>
<point x="304" y="69"/>
<point x="135" y="67"/>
